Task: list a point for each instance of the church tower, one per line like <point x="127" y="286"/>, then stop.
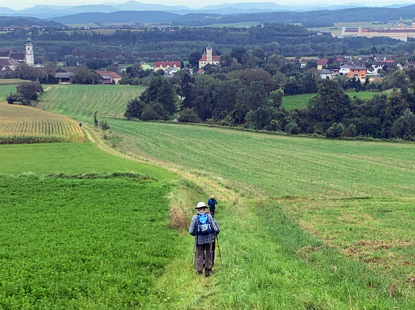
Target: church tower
<point x="209" y="54"/>
<point x="30" y="58"/>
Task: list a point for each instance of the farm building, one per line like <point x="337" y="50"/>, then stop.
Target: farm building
<point x="64" y="77"/>
<point x="109" y="77"/>
<point x="163" y="65"/>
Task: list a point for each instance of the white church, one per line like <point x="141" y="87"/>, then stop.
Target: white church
<point x="10" y="60"/>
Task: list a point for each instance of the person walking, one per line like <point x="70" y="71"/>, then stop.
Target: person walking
<point x="204" y="228"/>
<point x="212" y="204"/>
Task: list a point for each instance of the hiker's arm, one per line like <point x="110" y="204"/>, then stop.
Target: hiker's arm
<point x="192" y="228"/>
<point x="215" y="226"/>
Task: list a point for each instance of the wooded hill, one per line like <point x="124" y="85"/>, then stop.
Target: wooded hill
<point x="308" y="19"/>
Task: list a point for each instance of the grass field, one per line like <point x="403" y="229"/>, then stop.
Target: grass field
<point x="305" y="223"/>
<point x="300" y="101"/>
<point x="8" y="86"/>
<point x="84" y="100"/>
<point x="23" y="124"/>
<point x="349" y="195"/>
<point x="87" y="239"/>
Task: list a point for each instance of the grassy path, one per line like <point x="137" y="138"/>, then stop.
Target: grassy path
<point x="268" y="260"/>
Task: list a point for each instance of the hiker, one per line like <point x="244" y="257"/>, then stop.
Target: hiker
<point x="204" y="228"/>
<point x="212" y="204"/>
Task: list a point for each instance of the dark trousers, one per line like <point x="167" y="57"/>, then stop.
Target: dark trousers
<point x="212" y="211"/>
<point x="212" y="249"/>
<point x="203" y="250"/>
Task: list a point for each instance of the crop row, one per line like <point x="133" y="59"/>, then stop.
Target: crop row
<point x="33" y="125"/>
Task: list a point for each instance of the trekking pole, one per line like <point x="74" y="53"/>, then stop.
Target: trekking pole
<point x="193" y="256"/>
<point x="217" y="241"/>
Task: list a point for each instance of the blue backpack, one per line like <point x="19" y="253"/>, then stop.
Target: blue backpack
<point x="203" y="225"/>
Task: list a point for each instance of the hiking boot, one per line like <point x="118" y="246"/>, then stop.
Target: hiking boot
<point x="207" y="273"/>
<point x="199" y="273"/>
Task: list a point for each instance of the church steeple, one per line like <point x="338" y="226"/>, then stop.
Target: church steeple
<point x="30" y="58"/>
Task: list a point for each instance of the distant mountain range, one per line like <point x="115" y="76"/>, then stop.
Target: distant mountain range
<point x="8" y="21"/>
<point x="322" y="18"/>
<point x="51" y="11"/>
<point x="133" y="12"/>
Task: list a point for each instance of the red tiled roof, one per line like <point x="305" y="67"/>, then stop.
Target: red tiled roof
<point x="114" y="75"/>
<point x="214" y="58"/>
<point x="321" y="62"/>
<point x="164" y="64"/>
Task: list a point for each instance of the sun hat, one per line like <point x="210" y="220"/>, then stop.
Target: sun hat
<point x="200" y="205"/>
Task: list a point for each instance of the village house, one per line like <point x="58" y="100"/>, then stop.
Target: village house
<point x="170" y="72"/>
<point x="163" y="65"/>
<point x="357" y="72"/>
<point x="209" y="59"/>
<point x="321" y="63"/>
<point x="326" y="74"/>
<point x="108" y="77"/>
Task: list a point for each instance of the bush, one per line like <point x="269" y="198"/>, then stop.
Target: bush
<point x="17" y="99"/>
<point x="104" y="125"/>
<point x="292" y="128"/>
<point x="149" y="114"/>
<point x="350" y="131"/>
<point x="30" y="91"/>
<point x="188" y="116"/>
<point x="335" y="131"/>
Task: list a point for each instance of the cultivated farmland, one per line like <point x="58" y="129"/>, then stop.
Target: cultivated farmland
<point x="355" y="201"/>
<point x="22" y="124"/>
<point x="82" y="229"/>
<point x="306" y="223"/>
<point x="83" y="100"/>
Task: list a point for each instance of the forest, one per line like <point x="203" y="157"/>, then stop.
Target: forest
<point x="124" y="46"/>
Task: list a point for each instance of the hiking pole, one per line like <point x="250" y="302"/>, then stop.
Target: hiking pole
<point x="217" y="241"/>
<point x="193" y="256"/>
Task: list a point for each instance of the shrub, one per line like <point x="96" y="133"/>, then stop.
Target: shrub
<point x="292" y="128"/>
<point x="188" y="116"/>
<point x="104" y="125"/>
<point x="149" y="114"/>
<point x="17" y="99"/>
<point x="350" y="131"/>
<point x="335" y="131"/>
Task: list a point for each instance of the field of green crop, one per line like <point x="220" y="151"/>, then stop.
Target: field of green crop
<point x="84" y="100"/>
<point x="5" y="90"/>
<point x="8" y="86"/>
<point x="82" y="229"/>
<point x="300" y="101"/>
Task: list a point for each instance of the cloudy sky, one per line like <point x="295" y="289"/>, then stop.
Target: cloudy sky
<point x="20" y="4"/>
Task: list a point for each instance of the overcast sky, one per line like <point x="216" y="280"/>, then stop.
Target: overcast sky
<point x="20" y="4"/>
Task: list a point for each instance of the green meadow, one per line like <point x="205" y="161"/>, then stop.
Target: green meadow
<point x="8" y="86"/>
<point x="82" y="229"/>
<point x="305" y="223"/>
<point x="348" y="205"/>
<point x="84" y="100"/>
<point x="300" y="101"/>
<point x="6" y="89"/>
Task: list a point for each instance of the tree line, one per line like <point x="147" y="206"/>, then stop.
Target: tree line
<point x="250" y="99"/>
